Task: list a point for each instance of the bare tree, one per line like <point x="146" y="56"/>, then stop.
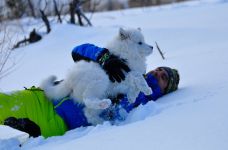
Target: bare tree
<point x="92" y="7"/>
<point x="32" y="10"/>
<point x="75" y="7"/>
<point x="72" y="11"/>
<point x="17" y="8"/>
<point x="78" y="11"/>
<point x="5" y="53"/>
<point x="57" y="12"/>
<point x="45" y="18"/>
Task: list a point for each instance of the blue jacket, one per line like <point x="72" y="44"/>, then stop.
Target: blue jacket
<point x="72" y="113"/>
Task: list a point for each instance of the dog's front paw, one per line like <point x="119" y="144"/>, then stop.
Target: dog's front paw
<point x="147" y="91"/>
<point x="105" y="103"/>
<point x="97" y="103"/>
<point x="132" y="96"/>
<point x="143" y="86"/>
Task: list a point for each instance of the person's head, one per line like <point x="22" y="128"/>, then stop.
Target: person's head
<point x="167" y="79"/>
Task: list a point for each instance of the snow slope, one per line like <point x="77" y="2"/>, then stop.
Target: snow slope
<point x="194" y="37"/>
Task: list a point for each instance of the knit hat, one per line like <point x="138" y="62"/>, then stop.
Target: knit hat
<point x="173" y="79"/>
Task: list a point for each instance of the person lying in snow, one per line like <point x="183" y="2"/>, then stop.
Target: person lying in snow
<point x="30" y="111"/>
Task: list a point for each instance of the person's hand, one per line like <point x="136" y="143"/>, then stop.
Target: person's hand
<point x="114" y="66"/>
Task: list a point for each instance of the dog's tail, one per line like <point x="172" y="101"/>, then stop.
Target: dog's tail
<point x="53" y="89"/>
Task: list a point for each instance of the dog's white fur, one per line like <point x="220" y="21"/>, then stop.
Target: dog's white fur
<point x="88" y="83"/>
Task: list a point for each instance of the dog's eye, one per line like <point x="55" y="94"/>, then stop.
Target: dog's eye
<point x="140" y="43"/>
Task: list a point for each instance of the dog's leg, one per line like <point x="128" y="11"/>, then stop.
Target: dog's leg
<point x="143" y="86"/>
<point x="93" y="94"/>
<point x="96" y="103"/>
<point x="137" y="84"/>
<point x="133" y="89"/>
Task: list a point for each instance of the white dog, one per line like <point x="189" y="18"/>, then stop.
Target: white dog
<point x="88" y="83"/>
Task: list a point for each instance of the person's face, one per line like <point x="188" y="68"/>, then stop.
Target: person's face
<point x="162" y="76"/>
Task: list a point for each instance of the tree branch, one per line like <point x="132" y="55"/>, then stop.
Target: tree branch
<point x="159" y="50"/>
<point x="46" y="22"/>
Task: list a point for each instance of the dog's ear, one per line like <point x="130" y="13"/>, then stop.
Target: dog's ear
<point x="123" y="34"/>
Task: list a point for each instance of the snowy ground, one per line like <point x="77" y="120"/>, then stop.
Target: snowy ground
<point x="194" y="37"/>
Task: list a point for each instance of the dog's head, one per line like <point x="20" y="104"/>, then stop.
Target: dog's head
<point x="134" y="41"/>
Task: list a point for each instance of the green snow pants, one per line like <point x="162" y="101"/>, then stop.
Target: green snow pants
<point x="34" y="105"/>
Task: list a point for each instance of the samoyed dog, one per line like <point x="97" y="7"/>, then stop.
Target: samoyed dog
<point x="89" y="84"/>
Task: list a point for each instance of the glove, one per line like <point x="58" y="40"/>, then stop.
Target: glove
<point x="114" y="66"/>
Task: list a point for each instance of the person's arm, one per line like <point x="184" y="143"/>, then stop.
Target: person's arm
<point x="113" y="65"/>
<point x="87" y="52"/>
<point x="121" y="107"/>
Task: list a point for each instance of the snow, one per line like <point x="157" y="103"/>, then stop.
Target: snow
<point x="10" y="137"/>
<point x="194" y="37"/>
